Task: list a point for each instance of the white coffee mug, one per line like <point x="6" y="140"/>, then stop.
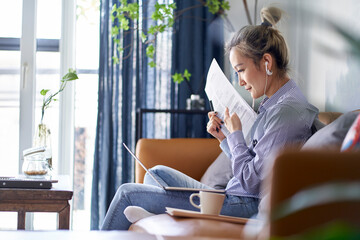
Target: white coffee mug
<point x="210" y="203"/>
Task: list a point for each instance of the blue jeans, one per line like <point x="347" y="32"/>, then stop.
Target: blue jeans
<point x="154" y="199"/>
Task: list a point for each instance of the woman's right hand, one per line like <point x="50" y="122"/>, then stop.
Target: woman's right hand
<point x="214" y="126"/>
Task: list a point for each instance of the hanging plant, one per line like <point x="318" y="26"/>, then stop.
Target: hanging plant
<point x="164" y="15"/>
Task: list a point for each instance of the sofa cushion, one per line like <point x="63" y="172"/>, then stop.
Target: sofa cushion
<point x="352" y="138"/>
<point x="218" y="173"/>
<point x="331" y="136"/>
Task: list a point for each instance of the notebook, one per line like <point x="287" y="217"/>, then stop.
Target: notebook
<point x="26" y="183"/>
<point x="170" y="188"/>
<point x="176" y="212"/>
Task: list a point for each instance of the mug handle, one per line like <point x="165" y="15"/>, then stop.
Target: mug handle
<point x="191" y="200"/>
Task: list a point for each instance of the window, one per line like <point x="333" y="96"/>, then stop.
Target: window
<point x="47" y="15"/>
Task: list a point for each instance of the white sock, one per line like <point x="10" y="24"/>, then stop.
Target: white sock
<point x="134" y="213"/>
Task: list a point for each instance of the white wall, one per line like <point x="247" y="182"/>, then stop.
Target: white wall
<point x="330" y="80"/>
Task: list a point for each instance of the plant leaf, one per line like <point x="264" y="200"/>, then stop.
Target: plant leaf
<point x="225" y="5"/>
<point x="70" y="76"/>
<point x="177" y="78"/>
<point x="150" y="51"/>
<point x="152" y="64"/>
<point x="44" y="91"/>
<point x="115" y="59"/>
<point x="187" y="75"/>
<point x="143" y="37"/>
<point x="114" y="31"/>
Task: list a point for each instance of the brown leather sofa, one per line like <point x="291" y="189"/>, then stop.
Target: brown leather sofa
<point x="192" y="157"/>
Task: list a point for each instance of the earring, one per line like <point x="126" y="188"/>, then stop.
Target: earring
<point x="268" y="72"/>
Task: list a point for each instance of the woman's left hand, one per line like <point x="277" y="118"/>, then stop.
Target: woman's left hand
<point x="232" y="122"/>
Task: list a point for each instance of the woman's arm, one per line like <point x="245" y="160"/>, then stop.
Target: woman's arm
<point x="225" y="148"/>
<point x="283" y="126"/>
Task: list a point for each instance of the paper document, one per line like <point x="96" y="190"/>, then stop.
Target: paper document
<point x="223" y="94"/>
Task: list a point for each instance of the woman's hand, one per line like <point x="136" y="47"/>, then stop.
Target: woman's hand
<point x="232" y="122"/>
<point x="214" y="126"/>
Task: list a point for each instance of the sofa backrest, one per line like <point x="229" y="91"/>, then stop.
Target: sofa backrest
<point x="191" y="156"/>
<point x="328" y="117"/>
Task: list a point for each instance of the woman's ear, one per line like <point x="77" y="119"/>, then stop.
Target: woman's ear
<point x="269" y="59"/>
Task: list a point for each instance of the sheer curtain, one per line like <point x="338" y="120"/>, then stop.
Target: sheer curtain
<point x="131" y="84"/>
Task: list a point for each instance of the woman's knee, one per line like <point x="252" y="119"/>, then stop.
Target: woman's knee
<point x="158" y="170"/>
<point x="123" y="191"/>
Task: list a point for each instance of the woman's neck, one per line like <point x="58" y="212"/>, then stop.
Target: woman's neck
<point x="276" y="84"/>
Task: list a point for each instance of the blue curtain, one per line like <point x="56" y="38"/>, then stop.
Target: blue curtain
<point x="131" y="84"/>
<point x="117" y="85"/>
<point x="197" y="39"/>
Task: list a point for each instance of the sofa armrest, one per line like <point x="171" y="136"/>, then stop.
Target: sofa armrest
<point x="191" y="156"/>
<point x="183" y="228"/>
<point x="294" y="172"/>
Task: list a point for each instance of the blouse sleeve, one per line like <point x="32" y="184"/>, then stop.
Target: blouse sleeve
<point x="225" y="148"/>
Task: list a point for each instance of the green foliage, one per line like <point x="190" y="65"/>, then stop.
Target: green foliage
<point x="150" y="51"/>
<point x="164" y="19"/>
<point x="179" y="78"/>
<point x="217" y="6"/>
<point x="48" y="98"/>
<point x="44" y="91"/>
<point x="70" y="76"/>
<point x="152" y="64"/>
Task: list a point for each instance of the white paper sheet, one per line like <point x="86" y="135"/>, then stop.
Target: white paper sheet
<point x="223" y="94"/>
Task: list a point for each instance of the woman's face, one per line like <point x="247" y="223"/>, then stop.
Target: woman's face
<point x="250" y="77"/>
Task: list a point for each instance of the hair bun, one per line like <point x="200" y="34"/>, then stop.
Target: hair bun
<point x="271" y="15"/>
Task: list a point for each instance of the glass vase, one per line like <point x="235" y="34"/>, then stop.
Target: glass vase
<point x="195" y="102"/>
<point x="42" y="138"/>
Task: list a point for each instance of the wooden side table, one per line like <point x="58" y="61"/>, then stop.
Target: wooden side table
<point x="55" y="199"/>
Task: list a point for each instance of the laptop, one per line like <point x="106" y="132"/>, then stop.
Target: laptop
<point x="171" y="188"/>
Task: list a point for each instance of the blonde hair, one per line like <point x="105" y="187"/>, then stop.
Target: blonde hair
<point x="254" y="41"/>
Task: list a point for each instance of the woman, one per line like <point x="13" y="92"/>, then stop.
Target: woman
<point x="259" y="56"/>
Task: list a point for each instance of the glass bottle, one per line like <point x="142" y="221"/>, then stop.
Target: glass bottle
<point x="35" y="164"/>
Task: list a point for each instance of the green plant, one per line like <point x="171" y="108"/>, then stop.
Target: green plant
<point x="48" y="97"/>
<point x="164" y="15"/>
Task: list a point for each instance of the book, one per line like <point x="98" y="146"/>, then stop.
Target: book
<point x="26" y="183"/>
<point x="222" y="94"/>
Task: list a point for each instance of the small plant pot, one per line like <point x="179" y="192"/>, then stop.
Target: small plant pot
<point x="195" y="102"/>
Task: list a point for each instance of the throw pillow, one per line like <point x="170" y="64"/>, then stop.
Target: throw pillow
<point x="352" y="138"/>
<point x="218" y="173"/>
<point x="331" y="136"/>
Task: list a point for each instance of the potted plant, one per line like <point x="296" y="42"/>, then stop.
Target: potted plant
<point x="42" y="137"/>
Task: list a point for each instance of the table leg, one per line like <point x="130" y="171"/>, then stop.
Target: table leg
<point x="64" y="218"/>
<point x="21" y="220"/>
